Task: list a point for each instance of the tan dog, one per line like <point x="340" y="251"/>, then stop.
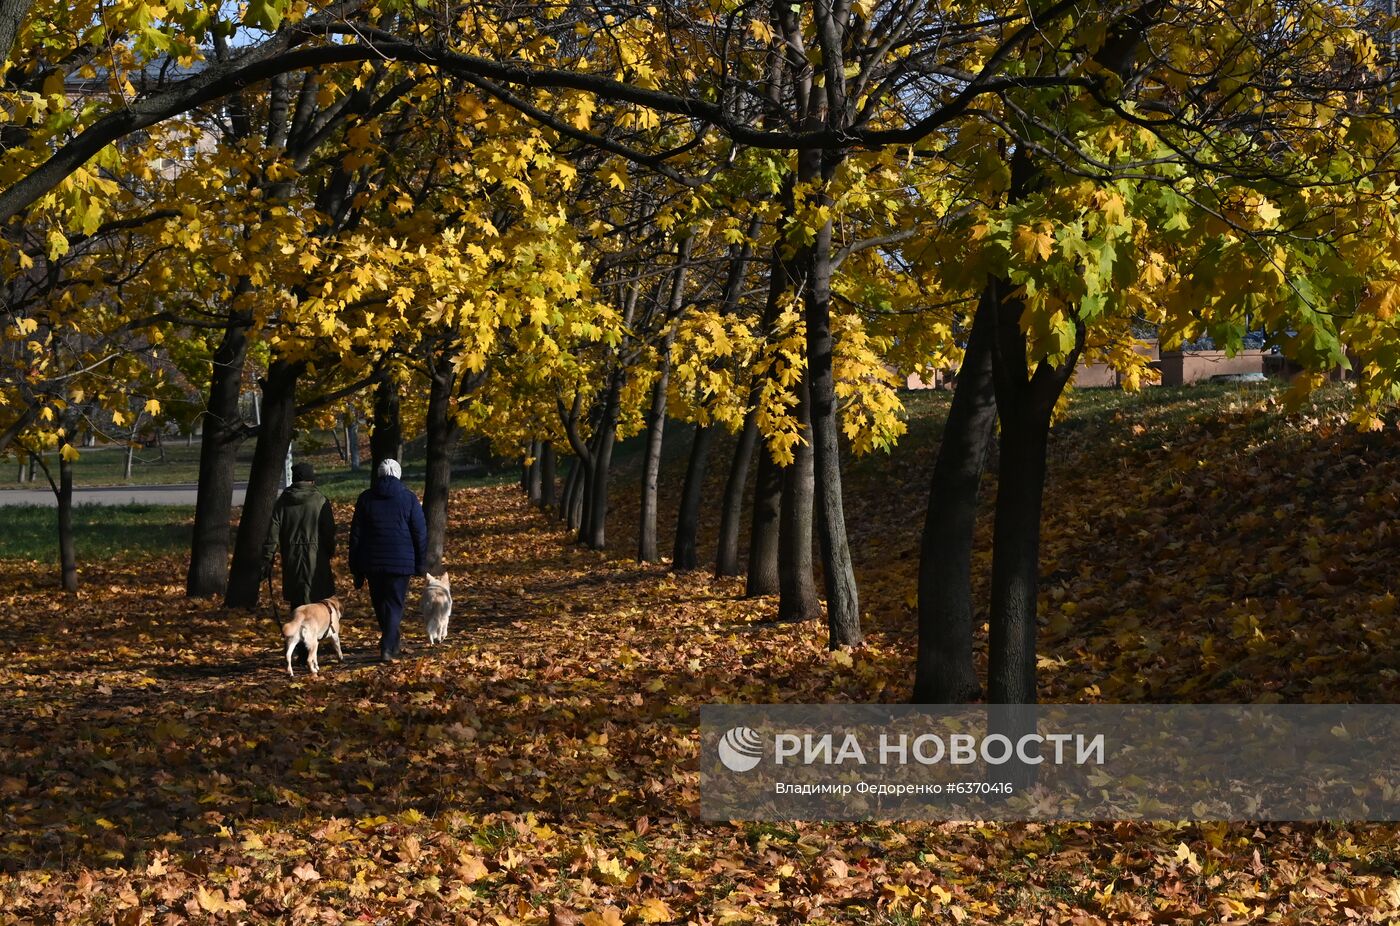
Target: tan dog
<point x="310" y="624"/>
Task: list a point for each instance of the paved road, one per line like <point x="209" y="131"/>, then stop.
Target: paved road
<point x="182" y="494"/>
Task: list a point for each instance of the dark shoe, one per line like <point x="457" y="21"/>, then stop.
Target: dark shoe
<point x="386" y="657"/>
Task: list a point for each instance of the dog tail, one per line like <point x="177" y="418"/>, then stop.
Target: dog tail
<point x="292" y="627"/>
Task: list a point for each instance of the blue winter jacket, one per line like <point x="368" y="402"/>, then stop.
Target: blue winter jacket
<point x="388" y="534"/>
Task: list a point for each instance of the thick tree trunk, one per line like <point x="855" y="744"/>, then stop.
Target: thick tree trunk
<point x="386" y="436"/>
<point x="945" y="673"/>
<point x="442" y="434"/>
<point x="269" y="457"/>
<point x="683" y="554"/>
<point x="1025" y="403"/>
<point x="548" y="479"/>
<point x="534" y="475"/>
<point x="764" y="526"/>
<point x="67" y="551"/>
<point x="842" y="601"/>
<point x="763" y="531"/>
<point x="1016" y="555"/>
<point x="221" y="435"/>
<point x="732" y="506"/>
<point x="797" y="585"/>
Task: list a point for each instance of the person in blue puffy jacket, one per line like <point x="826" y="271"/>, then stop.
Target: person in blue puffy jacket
<point x="388" y="538"/>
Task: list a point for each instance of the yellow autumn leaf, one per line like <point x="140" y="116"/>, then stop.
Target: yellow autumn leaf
<point x="214" y="901"/>
<point x="761" y="31"/>
<point x="609" y="916"/>
<point x="471" y="868"/>
<point x="653" y="910"/>
<point x="1034" y="242"/>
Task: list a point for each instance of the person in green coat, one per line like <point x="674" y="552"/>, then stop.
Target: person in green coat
<point x="303" y="526"/>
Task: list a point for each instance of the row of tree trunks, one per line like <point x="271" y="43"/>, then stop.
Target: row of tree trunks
<point x="684" y="555"/>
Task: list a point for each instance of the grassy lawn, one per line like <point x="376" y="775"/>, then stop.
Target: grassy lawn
<point x="101" y="532"/>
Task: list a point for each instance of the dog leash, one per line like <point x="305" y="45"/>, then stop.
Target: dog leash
<point x="272" y="596"/>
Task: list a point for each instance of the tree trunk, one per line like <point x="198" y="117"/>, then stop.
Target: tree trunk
<point x="596" y="514"/>
<point x="566" y="499"/>
<point x="763" y="532"/>
<point x="534" y="475"/>
<point x="269" y="457"/>
<point x="1025" y="403"/>
<point x="339" y="444"/>
<point x="221" y="436"/>
<point x="683" y="554"/>
<point x="797" y="586"/>
<point x="548" y="479"/>
<point x="945" y="673"/>
<point x="732" y="507"/>
<point x="129" y="457"/>
<point x="441" y="438"/>
<point x="842" y="601"/>
<point x="67" y="552"/>
<point x="352" y="440"/>
<point x="573" y="515"/>
<point x="386" y="436"/>
<point x="768" y="485"/>
<point x="1016" y="555"/>
<point x="647" y="551"/>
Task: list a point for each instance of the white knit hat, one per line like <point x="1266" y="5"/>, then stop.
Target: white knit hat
<point x="390" y="468"/>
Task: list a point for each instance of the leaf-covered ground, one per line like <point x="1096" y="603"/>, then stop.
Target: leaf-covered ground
<point x="157" y="766"/>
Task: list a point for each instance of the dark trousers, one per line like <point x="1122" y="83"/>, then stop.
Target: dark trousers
<point x="387" y="594"/>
